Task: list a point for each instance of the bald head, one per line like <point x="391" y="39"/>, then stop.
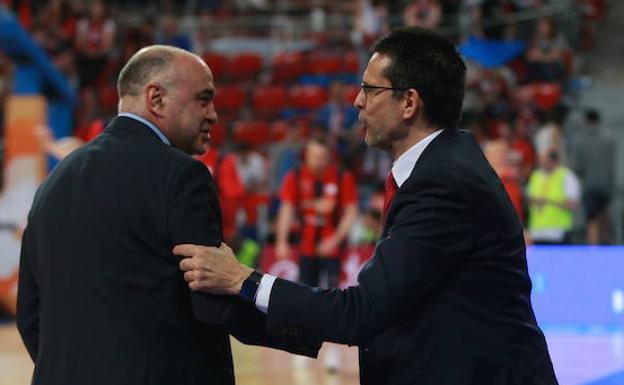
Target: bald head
<point x="152" y="63"/>
<point x="174" y="90"/>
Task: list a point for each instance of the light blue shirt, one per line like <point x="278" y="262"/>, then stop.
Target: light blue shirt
<point x="148" y="124"/>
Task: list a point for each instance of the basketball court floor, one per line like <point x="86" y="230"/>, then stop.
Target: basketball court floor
<point x="580" y="357"/>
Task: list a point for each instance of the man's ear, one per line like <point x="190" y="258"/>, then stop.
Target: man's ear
<point x="413" y="104"/>
<point x="154" y="99"/>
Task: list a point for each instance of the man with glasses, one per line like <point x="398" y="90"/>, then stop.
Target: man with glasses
<point x="445" y="299"/>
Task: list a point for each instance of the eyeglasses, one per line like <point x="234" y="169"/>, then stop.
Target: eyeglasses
<point x="368" y="89"/>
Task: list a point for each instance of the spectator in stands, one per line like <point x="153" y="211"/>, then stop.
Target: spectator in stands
<point x="475" y="124"/>
<point x="546" y="54"/>
<point x="372" y="168"/>
<point x="470" y="18"/>
<point x="285" y="155"/>
<point x="367" y="228"/>
<point x="95" y="36"/>
<point x="338" y="117"/>
<point x="370" y="22"/>
<point x="55" y="26"/>
<point x="64" y="59"/>
<point x="422" y="13"/>
<point x="224" y="171"/>
<point x="592" y="157"/>
<point x="137" y="36"/>
<point x="511" y="157"/>
<point x="169" y="33"/>
<point x="549" y="137"/>
<point x="324" y="197"/>
<point x="252" y="169"/>
<point x="554" y="192"/>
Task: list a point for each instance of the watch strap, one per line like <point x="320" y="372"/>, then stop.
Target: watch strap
<point x="250" y="286"/>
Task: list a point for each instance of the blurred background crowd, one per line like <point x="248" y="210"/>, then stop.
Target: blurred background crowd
<point x="294" y="176"/>
<point x="288" y="71"/>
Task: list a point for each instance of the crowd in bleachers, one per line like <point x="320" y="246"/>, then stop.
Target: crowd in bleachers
<point x="269" y="101"/>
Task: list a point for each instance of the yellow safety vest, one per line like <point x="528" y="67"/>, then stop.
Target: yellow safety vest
<point x="549" y="186"/>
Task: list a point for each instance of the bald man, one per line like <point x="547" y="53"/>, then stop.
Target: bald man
<point x="101" y="299"/>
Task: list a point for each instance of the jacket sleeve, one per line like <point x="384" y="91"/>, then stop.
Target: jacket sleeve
<point x="429" y="233"/>
<point x="28" y="297"/>
<point x="195" y="217"/>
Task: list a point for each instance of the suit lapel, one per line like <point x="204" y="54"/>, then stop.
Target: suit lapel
<point x="427" y="156"/>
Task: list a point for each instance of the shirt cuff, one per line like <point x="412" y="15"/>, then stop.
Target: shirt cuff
<point x="264" y="292"/>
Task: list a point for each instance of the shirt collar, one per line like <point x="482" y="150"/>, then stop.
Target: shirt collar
<point x="403" y="166"/>
<point x="149" y="124"/>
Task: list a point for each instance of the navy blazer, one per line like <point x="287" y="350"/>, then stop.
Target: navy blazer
<point x="101" y="299"/>
<point x="445" y="298"/>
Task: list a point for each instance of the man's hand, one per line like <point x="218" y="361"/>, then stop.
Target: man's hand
<point x="210" y="269"/>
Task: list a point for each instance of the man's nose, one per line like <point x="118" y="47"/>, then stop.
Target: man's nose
<point x="211" y="114"/>
<point x="360" y="100"/>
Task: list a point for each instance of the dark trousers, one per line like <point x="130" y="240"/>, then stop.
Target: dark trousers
<point x="317" y="270"/>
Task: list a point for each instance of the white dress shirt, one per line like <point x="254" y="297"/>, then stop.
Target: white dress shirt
<point x="401" y="170"/>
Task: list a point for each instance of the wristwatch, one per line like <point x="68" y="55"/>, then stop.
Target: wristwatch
<point x="250" y="286"/>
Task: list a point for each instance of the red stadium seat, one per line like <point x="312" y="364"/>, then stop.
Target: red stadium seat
<point x="279" y="130"/>
<point x="108" y="97"/>
<point x="325" y="64"/>
<point x="229" y="100"/>
<point x="218" y="134"/>
<point x="255" y="133"/>
<point x="351" y="92"/>
<point x="244" y="66"/>
<point x="268" y="101"/>
<point x="288" y="66"/>
<point x="308" y="96"/>
<point x="217" y="64"/>
<point x="352" y="63"/>
<point x="546" y="95"/>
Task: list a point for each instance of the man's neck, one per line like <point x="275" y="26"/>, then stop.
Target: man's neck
<point x="410" y="141"/>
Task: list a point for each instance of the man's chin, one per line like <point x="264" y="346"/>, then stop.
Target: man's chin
<point x="201" y="147"/>
<point x="200" y="150"/>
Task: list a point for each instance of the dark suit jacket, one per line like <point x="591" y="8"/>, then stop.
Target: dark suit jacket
<point x="101" y="299"/>
<point x="445" y="299"/>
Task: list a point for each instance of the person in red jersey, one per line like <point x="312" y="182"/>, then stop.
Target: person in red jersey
<point x="324" y="199"/>
<point x="230" y="188"/>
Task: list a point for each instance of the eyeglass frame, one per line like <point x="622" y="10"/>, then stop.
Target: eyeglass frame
<point x="366" y="87"/>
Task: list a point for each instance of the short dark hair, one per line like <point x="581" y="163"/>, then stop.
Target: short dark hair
<point x="428" y="62"/>
<point x="320" y="137"/>
<point x="143" y="66"/>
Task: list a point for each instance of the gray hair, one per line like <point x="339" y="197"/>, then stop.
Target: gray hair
<point x="146" y="64"/>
